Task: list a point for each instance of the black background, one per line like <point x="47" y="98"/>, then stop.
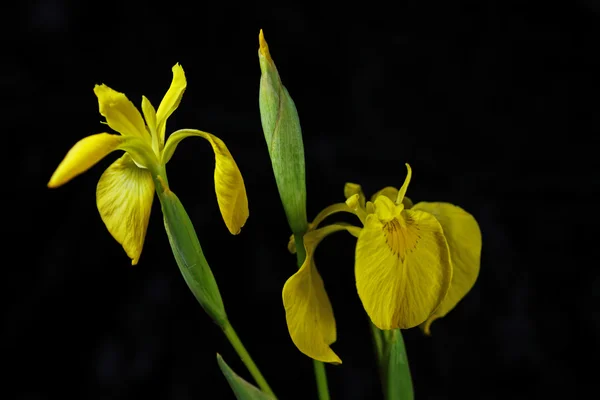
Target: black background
<point x="493" y="103"/>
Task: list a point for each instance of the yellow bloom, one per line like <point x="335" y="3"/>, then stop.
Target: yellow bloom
<point x="413" y="264"/>
<point x="125" y="191"/>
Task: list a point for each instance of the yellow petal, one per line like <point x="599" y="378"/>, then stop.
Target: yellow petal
<point x="84" y="155"/>
<point x="330" y="210"/>
<point x="403" y="268"/>
<point x="170" y="102"/>
<point x="351" y="189"/>
<point x="264" y="47"/>
<point x="124" y="197"/>
<point x="309" y="314"/>
<point x="229" y="184"/>
<point x="464" y="240"/>
<point x="120" y="113"/>
<point x="308" y="310"/>
<point x="392" y="193"/>
<point x="150" y="117"/>
<point x="402" y="190"/>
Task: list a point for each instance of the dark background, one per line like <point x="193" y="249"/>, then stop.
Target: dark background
<point x="493" y="103"/>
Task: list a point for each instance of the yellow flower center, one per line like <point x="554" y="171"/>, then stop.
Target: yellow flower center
<point x="401" y="235"/>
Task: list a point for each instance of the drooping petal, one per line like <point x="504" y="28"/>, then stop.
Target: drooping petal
<point x="403" y="268"/>
<point x="464" y="240"/>
<point x="309" y="314"/>
<point x="308" y="310"/>
<point x="124" y="197"/>
<point x="229" y="184"/>
<point x="84" y="155"/>
<point x="170" y="102"/>
<point x="330" y="210"/>
<point x="120" y="113"/>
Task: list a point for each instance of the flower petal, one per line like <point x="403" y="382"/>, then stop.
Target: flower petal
<point x="402" y="190"/>
<point x="170" y="102"/>
<point x="84" y="155"/>
<point x="327" y="211"/>
<point x="309" y="314"/>
<point x="120" y="113"/>
<point x="308" y="310"/>
<point x="390" y="192"/>
<point x="229" y="184"/>
<point x="464" y="240"/>
<point x="150" y="117"/>
<point x="351" y="189"/>
<point x="124" y="197"/>
<point x="403" y="268"/>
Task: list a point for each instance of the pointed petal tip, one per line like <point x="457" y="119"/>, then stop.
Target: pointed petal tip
<point x="336" y="360"/>
<point x="52" y="184"/>
<point x="177" y="68"/>
<point x="264" y="47"/>
<point x="236" y="224"/>
<point x="426" y="327"/>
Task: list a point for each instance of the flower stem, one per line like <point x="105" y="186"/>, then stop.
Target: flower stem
<point x="196" y="271"/>
<point x="245" y="357"/>
<point x="321" y="378"/>
<point x="393" y="364"/>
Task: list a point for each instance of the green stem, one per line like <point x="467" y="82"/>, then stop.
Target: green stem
<point x="321" y="378"/>
<point x="393" y="364"/>
<point x="196" y="271"/>
<point x="319" y="367"/>
<point x="399" y="385"/>
<point x="246" y="359"/>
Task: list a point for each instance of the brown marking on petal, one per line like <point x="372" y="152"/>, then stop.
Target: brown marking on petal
<point x="402" y="235"/>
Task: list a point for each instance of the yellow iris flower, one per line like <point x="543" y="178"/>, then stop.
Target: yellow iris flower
<point x="125" y="192"/>
<point x="413" y="264"/>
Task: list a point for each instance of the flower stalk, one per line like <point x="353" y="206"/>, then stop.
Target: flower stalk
<point x="283" y="135"/>
<point x="197" y="273"/>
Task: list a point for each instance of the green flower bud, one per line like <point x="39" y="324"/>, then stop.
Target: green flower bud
<point x="281" y="127"/>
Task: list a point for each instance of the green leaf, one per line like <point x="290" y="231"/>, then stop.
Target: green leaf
<point x="242" y="389"/>
<point x="393" y="364"/>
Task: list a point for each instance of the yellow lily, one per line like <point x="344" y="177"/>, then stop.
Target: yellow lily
<point x="125" y="192"/>
<point x="413" y="264"/>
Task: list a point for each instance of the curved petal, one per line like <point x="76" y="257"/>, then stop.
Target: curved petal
<point x="330" y="210"/>
<point x="170" y="102"/>
<point x="84" y="155"/>
<point x="351" y="189"/>
<point x="390" y="192"/>
<point x="124" y="197"/>
<point x="404" y="187"/>
<point x="308" y="310"/>
<point x="403" y="268"/>
<point x="309" y="314"/>
<point x="229" y="184"/>
<point x="150" y="117"/>
<point x="120" y="113"/>
<point x="464" y="240"/>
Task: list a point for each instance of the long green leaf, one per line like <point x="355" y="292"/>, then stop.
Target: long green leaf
<point x="241" y="388"/>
